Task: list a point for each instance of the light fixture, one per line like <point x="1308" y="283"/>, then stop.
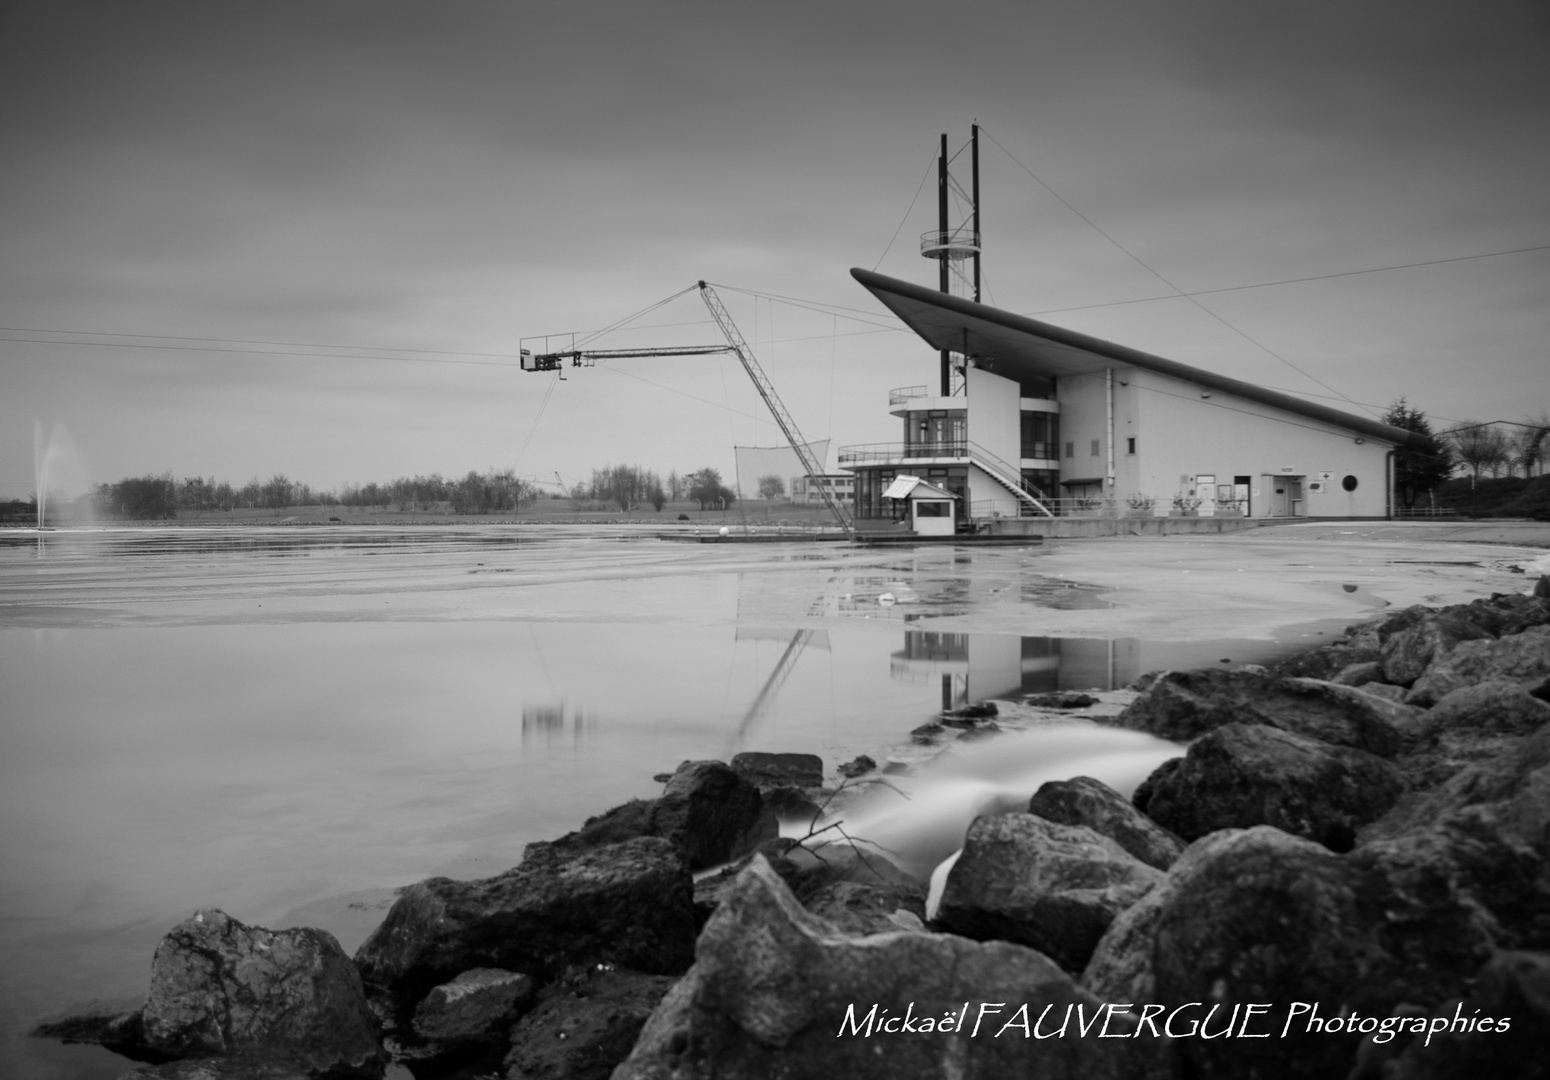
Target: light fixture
<point x="1360" y="441"/>
<point x="1204" y="396"/>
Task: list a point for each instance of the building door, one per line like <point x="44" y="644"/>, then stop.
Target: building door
<point x="1240" y="495"/>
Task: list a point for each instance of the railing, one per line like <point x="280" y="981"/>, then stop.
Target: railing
<point x="1425" y="511"/>
<point x="899" y="395"/>
<point x="902" y="451"/>
<point x="954" y="243"/>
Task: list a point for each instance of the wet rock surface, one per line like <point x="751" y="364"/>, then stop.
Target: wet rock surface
<point x="1085" y="801"/>
<point x="245" y="1001"/>
<point x="1052" y="887"/>
<point x="629" y="903"/>
<point x="1243" y="775"/>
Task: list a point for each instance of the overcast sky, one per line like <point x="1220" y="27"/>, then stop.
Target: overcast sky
<point x="401" y="193"/>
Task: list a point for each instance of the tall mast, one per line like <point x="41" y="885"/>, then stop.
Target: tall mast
<point x="942" y="229"/>
<point x="974" y="141"/>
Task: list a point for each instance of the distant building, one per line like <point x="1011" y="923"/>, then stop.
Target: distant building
<point x="1041" y="419"/>
<point x="841" y="485"/>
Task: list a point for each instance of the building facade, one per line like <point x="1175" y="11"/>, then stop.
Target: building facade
<point x="1046" y="421"/>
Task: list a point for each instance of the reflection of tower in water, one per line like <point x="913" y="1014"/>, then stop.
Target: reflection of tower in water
<point x="978" y="667"/>
<point x="547" y="724"/>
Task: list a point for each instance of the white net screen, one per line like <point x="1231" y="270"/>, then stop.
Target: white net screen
<point x="756" y="462"/>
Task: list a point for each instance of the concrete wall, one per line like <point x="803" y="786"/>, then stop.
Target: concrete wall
<point x="995" y="414"/>
<point x="1083" y="418"/>
<point x="1182" y="433"/>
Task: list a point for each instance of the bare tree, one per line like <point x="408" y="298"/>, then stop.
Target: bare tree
<point x="1478" y="446"/>
<point x="1531" y="443"/>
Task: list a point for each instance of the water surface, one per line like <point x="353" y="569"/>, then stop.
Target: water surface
<point x="288" y="723"/>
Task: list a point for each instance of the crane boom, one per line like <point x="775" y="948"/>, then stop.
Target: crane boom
<point x="578" y="357"/>
<point x="766" y="390"/>
<point x="554" y="361"/>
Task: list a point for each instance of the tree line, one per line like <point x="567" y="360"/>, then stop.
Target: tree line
<point x="1497" y="446"/>
<point x="494" y="491"/>
<point x="156" y="498"/>
<point x="631" y="486"/>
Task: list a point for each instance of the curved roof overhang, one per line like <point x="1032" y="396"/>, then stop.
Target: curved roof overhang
<point x="1018" y="347"/>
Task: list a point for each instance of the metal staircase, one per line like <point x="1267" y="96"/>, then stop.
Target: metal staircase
<point x="1030" y="499"/>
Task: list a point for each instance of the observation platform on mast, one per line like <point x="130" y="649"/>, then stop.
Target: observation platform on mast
<point x="962" y="243"/>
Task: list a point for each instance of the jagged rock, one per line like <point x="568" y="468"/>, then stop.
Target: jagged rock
<point x="629" y="903"/>
<point x="584" y="1025"/>
<point x="926" y="733"/>
<point x="1063" y="699"/>
<point x="221" y="988"/>
<point x="1261" y="916"/>
<point x="1325" y="661"/>
<point x="779" y="770"/>
<point x="1514" y="784"/>
<point x="1184" y="705"/>
<point x="1496" y="706"/>
<point x="772" y="987"/>
<point x="1386" y="691"/>
<point x="623" y="822"/>
<point x="1408" y="653"/>
<point x="1085" y="801"/>
<point x="1121" y="968"/>
<point x="1517" y="657"/>
<point x="1513" y="986"/>
<point x="859" y="767"/>
<point x="980" y="710"/>
<point x="1052" y="887"/>
<point x="476" y="1006"/>
<point x="861" y="908"/>
<point x="1243" y="775"/>
<point x="1358" y="674"/>
<point x="712" y="814"/>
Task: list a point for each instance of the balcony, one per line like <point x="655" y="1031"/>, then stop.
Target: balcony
<point x="899" y="395"/>
<point x="878" y="453"/>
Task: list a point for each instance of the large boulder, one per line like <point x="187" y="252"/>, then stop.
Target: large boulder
<point x="1259" y="916"/>
<point x="712" y="814"/>
<point x="1085" y="801"/>
<point x="629" y="903"/>
<point x="1052" y="887"/>
<point x="778" y="992"/>
<point x="220" y="987"/>
<point x="1243" y="775"/>
<point x="1520" y="657"/>
<point x="1514" y="785"/>
<point x="1184" y="705"/>
<point x="1407" y="654"/>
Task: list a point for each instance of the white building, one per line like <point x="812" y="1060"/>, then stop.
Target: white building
<point x="1047" y="420"/>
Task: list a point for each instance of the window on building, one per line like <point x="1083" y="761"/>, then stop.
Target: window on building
<point x="1070" y="449"/>
<point x="1130" y="445"/>
<point x="1097" y="443"/>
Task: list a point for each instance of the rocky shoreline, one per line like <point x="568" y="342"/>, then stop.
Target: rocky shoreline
<point x="1345" y="875"/>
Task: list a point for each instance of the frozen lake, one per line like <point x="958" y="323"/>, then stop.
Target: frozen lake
<point x="288" y="723"/>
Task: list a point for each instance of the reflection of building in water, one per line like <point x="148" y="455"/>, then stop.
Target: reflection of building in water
<point x="975" y="667"/>
<point x="550" y="722"/>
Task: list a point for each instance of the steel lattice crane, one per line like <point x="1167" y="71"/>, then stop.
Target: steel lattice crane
<point x="554" y="361"/>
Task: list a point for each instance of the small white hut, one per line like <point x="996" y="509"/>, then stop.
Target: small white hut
<point x="932" y="510"/>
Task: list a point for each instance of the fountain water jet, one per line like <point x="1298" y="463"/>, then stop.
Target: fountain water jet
<point x="55" y="463"/>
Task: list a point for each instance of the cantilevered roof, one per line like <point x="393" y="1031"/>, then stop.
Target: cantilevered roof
<point x="1018" y="347"/>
